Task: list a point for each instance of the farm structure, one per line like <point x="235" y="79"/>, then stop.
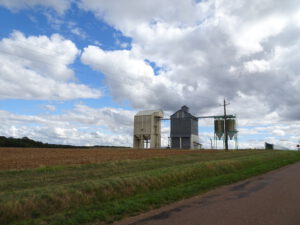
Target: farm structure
<point x="184" y="130"/>
<point x="269" y="146"/>
<point x="147" y="129"/>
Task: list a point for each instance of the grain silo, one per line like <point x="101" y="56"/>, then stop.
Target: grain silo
<point x="219" y="128"/>
<point x="184" y="130"/>
<point x="231" y="128"/>
<point x="147" y="129"/>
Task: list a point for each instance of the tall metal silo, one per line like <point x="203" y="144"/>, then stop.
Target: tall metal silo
<point x="219" y="128"/>
<point x="231" y="128"/>
<point x="184" y="130"/>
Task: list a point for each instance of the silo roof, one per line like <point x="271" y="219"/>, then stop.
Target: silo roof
<point x="149" y="112"/>
<point x="185" y="110"/>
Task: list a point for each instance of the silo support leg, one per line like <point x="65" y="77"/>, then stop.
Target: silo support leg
<point x="180" y="143"/>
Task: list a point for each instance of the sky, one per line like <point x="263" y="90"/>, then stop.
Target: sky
<point x="77" y="71"/>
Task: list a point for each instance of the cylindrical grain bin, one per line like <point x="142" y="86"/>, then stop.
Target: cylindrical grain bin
<point x="219" y="128"/>
<point x="231" y="128"/>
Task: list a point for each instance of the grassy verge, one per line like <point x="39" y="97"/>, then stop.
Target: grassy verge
<point x="109" y="191"/>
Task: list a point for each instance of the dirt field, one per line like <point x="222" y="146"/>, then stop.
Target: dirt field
<point x="21" y="158"/>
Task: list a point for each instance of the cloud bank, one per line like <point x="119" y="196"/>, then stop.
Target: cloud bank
<point x="205" y="51"/>
<point x="37" y="67"/>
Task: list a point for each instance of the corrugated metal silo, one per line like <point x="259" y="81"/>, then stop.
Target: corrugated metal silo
<point x="184" y="130"/>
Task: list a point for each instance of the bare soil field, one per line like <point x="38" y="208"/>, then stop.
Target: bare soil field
<point x="21" y="158"/>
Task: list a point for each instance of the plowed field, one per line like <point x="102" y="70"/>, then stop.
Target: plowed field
<point x="21" y="158"/>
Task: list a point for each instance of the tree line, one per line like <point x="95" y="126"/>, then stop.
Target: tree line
<point x="26" y="142"/>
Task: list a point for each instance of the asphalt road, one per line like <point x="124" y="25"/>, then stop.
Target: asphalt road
<point x="269" y="199"/>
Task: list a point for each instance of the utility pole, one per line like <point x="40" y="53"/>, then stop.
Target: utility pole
<point x="225" y="126"/>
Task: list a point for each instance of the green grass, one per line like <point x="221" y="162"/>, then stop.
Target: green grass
<point x="113" y="190"/>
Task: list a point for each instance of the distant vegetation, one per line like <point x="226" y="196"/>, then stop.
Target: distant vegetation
<point x="26" y="142"/>
<point x="105" y="192"/>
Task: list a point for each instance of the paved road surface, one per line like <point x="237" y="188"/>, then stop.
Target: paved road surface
<point x="269" y="199"/>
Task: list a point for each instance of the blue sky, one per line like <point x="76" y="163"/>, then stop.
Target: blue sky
<point x="76" y="71"/>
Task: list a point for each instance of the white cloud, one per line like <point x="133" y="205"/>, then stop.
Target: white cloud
<point x="218" y="51"/>
<point x="257" y="66"/>
<point x="81" y="125"/>
<point x="47" y="56"/>
<point x="58" y="5"/>
<point x="135" y="11"/>
<point x="77" y="31"/>
<point x="130" y="77"/>
<point x="49" y="107"/>
<point x="278" y="132"/>
<point x="250" y="35"/>
<point x="37" y="67"/>
<point x="114" y="119"/>
<point x="73" y="27"/>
